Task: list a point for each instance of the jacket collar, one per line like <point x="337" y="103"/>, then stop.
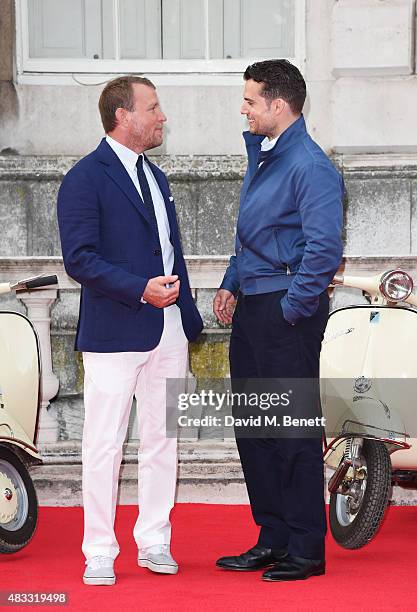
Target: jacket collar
<point x="294" y="133"/>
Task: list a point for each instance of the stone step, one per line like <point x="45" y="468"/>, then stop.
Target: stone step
<point x="208" y="472"/>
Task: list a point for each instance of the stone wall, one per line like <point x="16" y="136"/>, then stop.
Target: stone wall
<point x="380" y="219"/>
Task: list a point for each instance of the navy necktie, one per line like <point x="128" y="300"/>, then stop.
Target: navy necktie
<point x="146" y="192"/>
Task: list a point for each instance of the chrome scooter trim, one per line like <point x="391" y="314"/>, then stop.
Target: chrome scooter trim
<point x="19" y="443"/>
<point x="343" y="437"/>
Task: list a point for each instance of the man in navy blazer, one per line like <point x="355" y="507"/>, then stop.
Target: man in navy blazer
<point x="120" y="241"/>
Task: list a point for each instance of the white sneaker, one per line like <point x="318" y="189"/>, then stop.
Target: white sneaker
<point x="99" y="571"/>
<point x="158" y="558"/>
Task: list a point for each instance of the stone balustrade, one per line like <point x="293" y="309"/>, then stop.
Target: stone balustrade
<point x="209" y="469"/>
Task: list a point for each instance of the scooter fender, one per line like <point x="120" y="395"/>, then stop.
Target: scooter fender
<point x="13" y="434"/>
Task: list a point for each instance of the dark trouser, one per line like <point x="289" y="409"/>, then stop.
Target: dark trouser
<point x="284" y="476"/>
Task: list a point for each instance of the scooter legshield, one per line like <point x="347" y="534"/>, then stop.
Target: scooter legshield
<point x="368" y="373"/>
<point x="19" y="378"/>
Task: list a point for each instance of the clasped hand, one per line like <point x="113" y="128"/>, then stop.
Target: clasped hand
<point x="162" y="291"/>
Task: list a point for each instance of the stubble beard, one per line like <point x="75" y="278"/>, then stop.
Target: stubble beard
<point x="145" y="141"/>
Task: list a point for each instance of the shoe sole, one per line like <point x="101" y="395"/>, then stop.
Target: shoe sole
<point x="320" y="573"/>
<point x="159" y="569"/>
<point x="99" y="581"/>
<point x="245" y="569"/>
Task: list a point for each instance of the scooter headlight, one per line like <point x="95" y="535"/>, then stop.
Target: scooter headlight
<point x="396" y="285"/>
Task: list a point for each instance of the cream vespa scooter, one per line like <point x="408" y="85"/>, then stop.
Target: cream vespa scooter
<point x="368" y="387"/>
<point x="19" y="409"/>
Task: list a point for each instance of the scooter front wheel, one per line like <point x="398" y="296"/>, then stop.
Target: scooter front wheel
<point x="18" y="503"/>
<point x="355" y="518"/>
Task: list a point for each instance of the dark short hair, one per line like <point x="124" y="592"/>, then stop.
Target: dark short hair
<point x="280" y="79"/>
<point x="118" y="93"/>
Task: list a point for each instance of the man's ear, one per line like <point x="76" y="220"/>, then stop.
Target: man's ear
<point x="121" y="117"/>
<point x="278" y="105"/>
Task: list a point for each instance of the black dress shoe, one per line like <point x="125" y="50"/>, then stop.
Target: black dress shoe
<point x="295" y="568"/>
<point x="255" y="558"/>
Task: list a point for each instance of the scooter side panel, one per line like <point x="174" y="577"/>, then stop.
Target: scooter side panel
<point x="19" y="373"/>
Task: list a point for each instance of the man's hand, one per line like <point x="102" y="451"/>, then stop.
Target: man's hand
<point x="157" y="293"/>
<point x="224" y="305"/>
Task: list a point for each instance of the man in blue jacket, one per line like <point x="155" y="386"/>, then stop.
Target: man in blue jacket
<point x="120" y="241"/>
<point x="288" y="247"/>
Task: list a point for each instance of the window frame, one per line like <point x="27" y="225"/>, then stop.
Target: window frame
<point x="44" y="70"/>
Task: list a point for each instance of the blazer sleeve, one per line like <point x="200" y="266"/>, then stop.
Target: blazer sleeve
<point x="79" y="228"/>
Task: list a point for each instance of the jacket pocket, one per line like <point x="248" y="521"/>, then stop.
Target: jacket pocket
<point x="282" y="265"/>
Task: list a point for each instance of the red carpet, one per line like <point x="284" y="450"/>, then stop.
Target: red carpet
<point x="381" y="576"/>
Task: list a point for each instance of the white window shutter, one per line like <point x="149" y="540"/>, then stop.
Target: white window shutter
<point x="68" y="28"/>
<point x="216" y="29"/>
<point x="183" y="24"/>
<point x="140" y="29"/>
<point x="259" y="28"/>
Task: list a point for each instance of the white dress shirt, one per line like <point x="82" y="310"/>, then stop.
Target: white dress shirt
<point x="129" y="159"/>
<point x="267" y="145"/>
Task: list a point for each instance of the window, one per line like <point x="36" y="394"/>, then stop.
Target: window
<point x="92" y="36"/>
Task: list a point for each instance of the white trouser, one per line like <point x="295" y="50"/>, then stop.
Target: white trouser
<point x="111" y="381"/>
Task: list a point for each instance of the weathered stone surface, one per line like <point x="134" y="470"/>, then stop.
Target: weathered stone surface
<point x="70" y="415"/>
<point x="378" y="210"/>
<point x="14" y="198"/>
<point x="209" y="356"/>
<point x="382" y="207"/>
<point x="186" y="203"/>
<point x="28" y="214"/>
<point x="64" y="312"/>
<point x="216" y="218"/>
<point x="67" y="363"/>
<point x="207" y="211"/>
<point x="205" y="306"/>
<point x="43" y="238"/>
<point x="378" y="217"/>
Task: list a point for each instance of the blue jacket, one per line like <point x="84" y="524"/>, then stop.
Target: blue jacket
<point x="110" y="246"/>
<point x="290" y="221"/>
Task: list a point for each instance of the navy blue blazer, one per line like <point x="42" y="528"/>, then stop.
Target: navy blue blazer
<point x="111" y="248"/>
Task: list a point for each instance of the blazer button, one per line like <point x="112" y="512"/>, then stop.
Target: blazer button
<point x="157" y="252"/>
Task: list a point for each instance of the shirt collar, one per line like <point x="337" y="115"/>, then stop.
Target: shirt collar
<point x="128" y="157"/>
<point x="267" y="145"/>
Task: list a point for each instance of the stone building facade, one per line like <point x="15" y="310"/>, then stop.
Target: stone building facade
<point x="358" y="58"/>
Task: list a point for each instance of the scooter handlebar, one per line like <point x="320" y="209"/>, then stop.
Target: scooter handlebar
<point x="42" y="281"/>
<point x="32" y="283"/>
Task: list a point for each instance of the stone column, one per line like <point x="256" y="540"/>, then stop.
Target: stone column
<point x="38" y="304"/>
